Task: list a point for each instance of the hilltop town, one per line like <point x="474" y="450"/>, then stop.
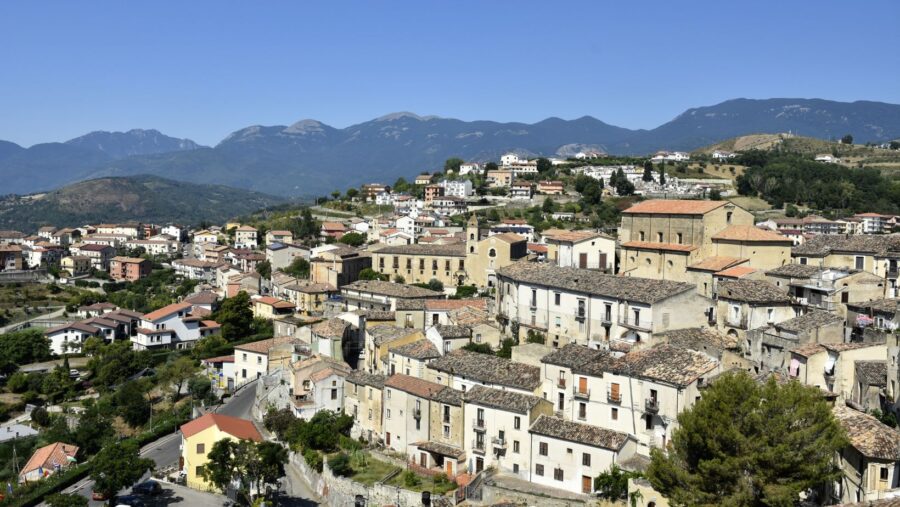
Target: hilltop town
<point x="518" y="331"/>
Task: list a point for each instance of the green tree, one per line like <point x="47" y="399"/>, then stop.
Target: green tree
<point x="23" y="347"/>
<point x="307" y="226"/>
<point x="94" y="429"/>
<point x="401" y="185"/>
<point x="279" y="421"/>
<point x="41" y="417"/>
<point x="264" y="268"/>
<point x="847" y="139"/>
<point x="176" y="373"/>
<point x="336" y="194"/>
<point x="200" y="388"/>
<point x="118" y="466"/>
<point x="371" y="274"/>
<point x="340" y="464"/>
<point x="662" y="174"/>
<point x="235" y="317"/>
<point x="132" y="404"/>
<point x="252" y="465"/>
<point x="648" y="171"/>
<point x="70" y="500"/>
<point x="749" y="444"/>
<point x="58" y="385"/>
<point x="481" y="348"/>
<point x="715" y="195"/>
<point x="506" y="348"/>
<point x="613" y="483"/>
<point x="452" y="164"/>
<point x="353" y="239"/>
<point x="490" y="166"/>
<point x="298" y="268"/>
<point x="549" y="205"/>
<point x="544" y="165"/>
<point x="465" y="291"/>
<point x="208" y="346"/>
<point x="399" y="279"/>
<point x="352" y="193"/>
<point x="112" y="363"/>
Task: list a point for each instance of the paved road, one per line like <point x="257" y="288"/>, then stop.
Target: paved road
<point x="55" y="314"/>
<point x="166" y="451"/>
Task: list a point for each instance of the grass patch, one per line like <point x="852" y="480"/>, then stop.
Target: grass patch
<point x="751" y="203"/>
<point x="422" y="483"/>
<point x="373" y="471"/>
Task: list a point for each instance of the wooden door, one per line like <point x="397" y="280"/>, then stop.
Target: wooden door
<point x="387" y="438"/>
<point x="423" y="460"/>
<point x="602" y="260"/>
<point x="614" y="392"/>
<point x="448" y="465"/>
<point x="582" y="261"/>
<point x="586" y="484"/>
<point x="582" y="385"/>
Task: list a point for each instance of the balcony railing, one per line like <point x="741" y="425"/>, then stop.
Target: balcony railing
<point x="633" y="323"/>
<point x="478" y="424"/>
<point x="580" y="315"/>
<point x="581" y="393"/>
<point x="498" y="443"/>
<point x="606" y="319"/>
<point x="417" y="413"/>
<point x="614" y="397"/>
<point x="478" y="447"/>
<point x="651" y="406"/>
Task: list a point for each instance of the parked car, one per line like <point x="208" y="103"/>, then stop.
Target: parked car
<point x="129" y="501"/>
<point x="150" y="488"/>
<point x="98" y="496"/>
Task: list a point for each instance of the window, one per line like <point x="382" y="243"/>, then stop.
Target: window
<point x="770" y="314"/>
<point x="728" y="217"/>
<point x="446" y="431"/>
<point x="516" y="446"/>
<point x="387" y="414"/>
<point x="389" y="393"/>
<point x="446" y="413"/>
<point x="679" y="237"/>
<point x="370" y="414"/>
<point x="533" y="297"/>
<point x="334" y="394"/>
<point x="492" y="253"/>
<point x="556" y="298"/>
<point x="558" y="321"/>
<point x="883" y="473"/>
<point x="515" y="468"/>
<point x="517" y="422"/>
<point x="803" y="260"/>
<point x="258" y="359"/>
<point x="198" y="471"/>
<point x="582" y="410"/>
<point x="447" y="346"/>
<point x="477" y="337"/>
<point x="614" y="414"/>
<point x="859" y="262"/>
<point x="649" y="420"/>
<point x="538" y="470"/>
<point x="586" y="459"/>
<point x="659" y="237"/>
<point x="201" y="448"/>
<point x="542" y="449"/>
<point x="641" y="234"/>
<point x="558" y="474"/>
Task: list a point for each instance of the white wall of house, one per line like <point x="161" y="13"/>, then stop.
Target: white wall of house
<point x="570" y="465"/>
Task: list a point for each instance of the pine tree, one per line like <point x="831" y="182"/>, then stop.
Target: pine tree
<point x="648" y="171"/>
<point x="662" y="174"/>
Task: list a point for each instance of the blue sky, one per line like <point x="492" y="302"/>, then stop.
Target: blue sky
<point x="204" y="69"/>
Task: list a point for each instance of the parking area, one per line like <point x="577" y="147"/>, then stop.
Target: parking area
<point x="173" y="494"/>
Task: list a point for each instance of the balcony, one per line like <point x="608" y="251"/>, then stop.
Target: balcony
<point x="499" y="443"/>
<point x="580" y="315"/>
<point x="613" y="397"/>
<point x="478" y="447"/>
<point x="637" y="324"/>
<point x="606" y="320"/>
<point x="561" y="383"/>
<point x="478" y="424"/>
<point x="582" y="394"/>
<point x="651" y="406"/>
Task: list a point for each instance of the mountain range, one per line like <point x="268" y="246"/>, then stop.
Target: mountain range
<point x="311" y="158"/>
<point x="136" y="198"/>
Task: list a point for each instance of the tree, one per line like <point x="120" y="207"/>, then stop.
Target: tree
<point x="307" y="226"/>
<point x="353" y="239"/>
<point x="279" y="421"/>
<point x="176" y="373"/>
<point x="544" y="165"/>
<point x="251" y="465"/>
<point x="264" y="268"/>
<point x="506" y="348"/>
<point x="490" y="166"/>
<point x="118" y="466"/>
<point x="452" y="164"/>
<point x="335" y="194"/>
<point x="41" y="417"/>
<point x="208" y="346"/>
<point x="399" y="279"/>
<point x="613" y="483"/>
<point x="662" y="174"/>
<point x="94" y="429"/>
<point x="894" y="145"/>
<point x="847" y="139"/>
<point x="235" y="317"/>
<point x="371" y="274"/>
<point x="465" y="291"/>
<point x="132" y="404"/>
<point x="298" y="268"/>
<point x="481" y="348"/>
<point x="112" y="363"/>
<point x="200" y="388"/>
<point x="648" y="171"/>
<point x="715" y="195"/>
<point x="747" y="444"/>
<point x="23" y="347"/>
<point x="352" y="193"/>
<point x="340" y="464"/>
<point x="63" y="500"/>
<point x="401" y="185"/>
<point x="548" y="206"/>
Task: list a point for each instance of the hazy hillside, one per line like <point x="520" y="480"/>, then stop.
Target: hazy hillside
<point x="145" y="198"/>
<point x="311" y="158"/>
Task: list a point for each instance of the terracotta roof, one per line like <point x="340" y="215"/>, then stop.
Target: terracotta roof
<point x="812" y="319"/>
<point x="537" y="248"/>
<point x="167" y="310"/>
<point x="327" y="372"/>
<point x="129" y="260"/>
<point x="333" y="226"/>
<point x="584" y="281"/>
<point x="750" y="233"/>
<point x="868" y="435"/>
<point x="206" y="297"/>
<point x="586" y="434"/>
<point x="419" y="349"/>
<point x="488" y="368"/>
<point x="442" y="449"/>
<point x="675" y="207"/>
<point x="650" y="245"/>
<point x="716" y="263"/>
<point x="49" y="456"/>
<point x="281" y="233"/>
<point x="509" y="237"/>
<point x="234" y="426"/>
<point x="807" y="349"/>
<point x="438" y="305"/>
<point x="752" y="291"/>
<point x="503" y="400"/>
<point x="263" y="346"/>
<point x="571" y="355"/>
<point x="219" y="359"/>
<point x="246" y="228"/>
<point x="386" y="334"/>
<point x="412" y="385"/>
<point x="736" y="272"/>
<point x="274" y="302"/>
<point x="331" y="328"/>
<point x="794" y="271"/>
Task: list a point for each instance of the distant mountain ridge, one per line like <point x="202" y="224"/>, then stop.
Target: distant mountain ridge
<point x="134" y="142"/>
<point x="136" y="198"/>
<point x="312" y="158"/>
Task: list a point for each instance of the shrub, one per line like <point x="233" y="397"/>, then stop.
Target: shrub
<point x="410" y="479"/>
<point x="340" y="465"/>
<point x="313" y="459"/>
<point x="349" y="444"/>
<point x="41" y="417"/>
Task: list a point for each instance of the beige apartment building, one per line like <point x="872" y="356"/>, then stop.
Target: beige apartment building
<point x="421" y="263"/>
<point x="485" y="256"/>
<point x="363" y="401"/>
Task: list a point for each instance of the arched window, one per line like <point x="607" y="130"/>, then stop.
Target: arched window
<point x="492" y="253"/>
<point x="471" y="249"/>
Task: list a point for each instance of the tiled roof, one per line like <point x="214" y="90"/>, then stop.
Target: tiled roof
<point x="449" y="396"/>
<point x="379" y="315"/>
<point x="331" y="328"/>
<point x="868" y="435"/>
<point x="699" y="338"/>
<point x="810" y="320"/>
<point x="327" y="372"/>
<point x="167" y="310"/>
<point x="412" y="385"/>
<point x="650" y="245"/>
<point x="571" y="355"/>
<point x="453" y="331"/>
<point x="80" y="326"/>
<point x="807" y="349"/>
<point x="665" y="362"/>
<point x="274" y="302"/>
<point x="234" y="426"/>
<point x="263" y="346"/>
<point x="794" y="271"/>
<point x="586" y="434"/>
<point x="509" y="237"/>
<point x="860" y="243"/>
<point x="887" y="502"/>
<point x="675" y="207"/>
<point x="410" y="304"/>
<point x="219" y="359"/>
<point x="503" y="400"/>
<point x="453" y="250"/>
<point x="488" y="368"/>
<point x="888" y="305"/>
<point x="573" y="236"/>
<point x="442" y="449"/>
<point x="386" y="334"/>
<point x="392" y="289"/>
<point x="750" y="233"/>
<point x="206" y="297"/>
<point x="51" y="455"/>
<point x="752" y="291"/>
<point x="845" y="346"/>
<point x="468" y="316"/>
<point x="362" y="378"/>
<point x="419" y="349"/>
<point x="437" y="305"/>
<point x="736" y="272"/>
<point x="872" y="373"/>
<point x="716" y="263"/>
<point x="642" y="290"/>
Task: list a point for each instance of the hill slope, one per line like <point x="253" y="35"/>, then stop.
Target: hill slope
<point x="134" y="142"/>
<point x="139" y="198"/>
<point x="311" y="158"/>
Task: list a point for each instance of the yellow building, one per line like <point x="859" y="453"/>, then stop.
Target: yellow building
<point x="268" y="307"/>
<point x="199" y="436"/>
<point x="485" y="256"/>
<point x="421" y="263"/>
<point x="75" y="265"/>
